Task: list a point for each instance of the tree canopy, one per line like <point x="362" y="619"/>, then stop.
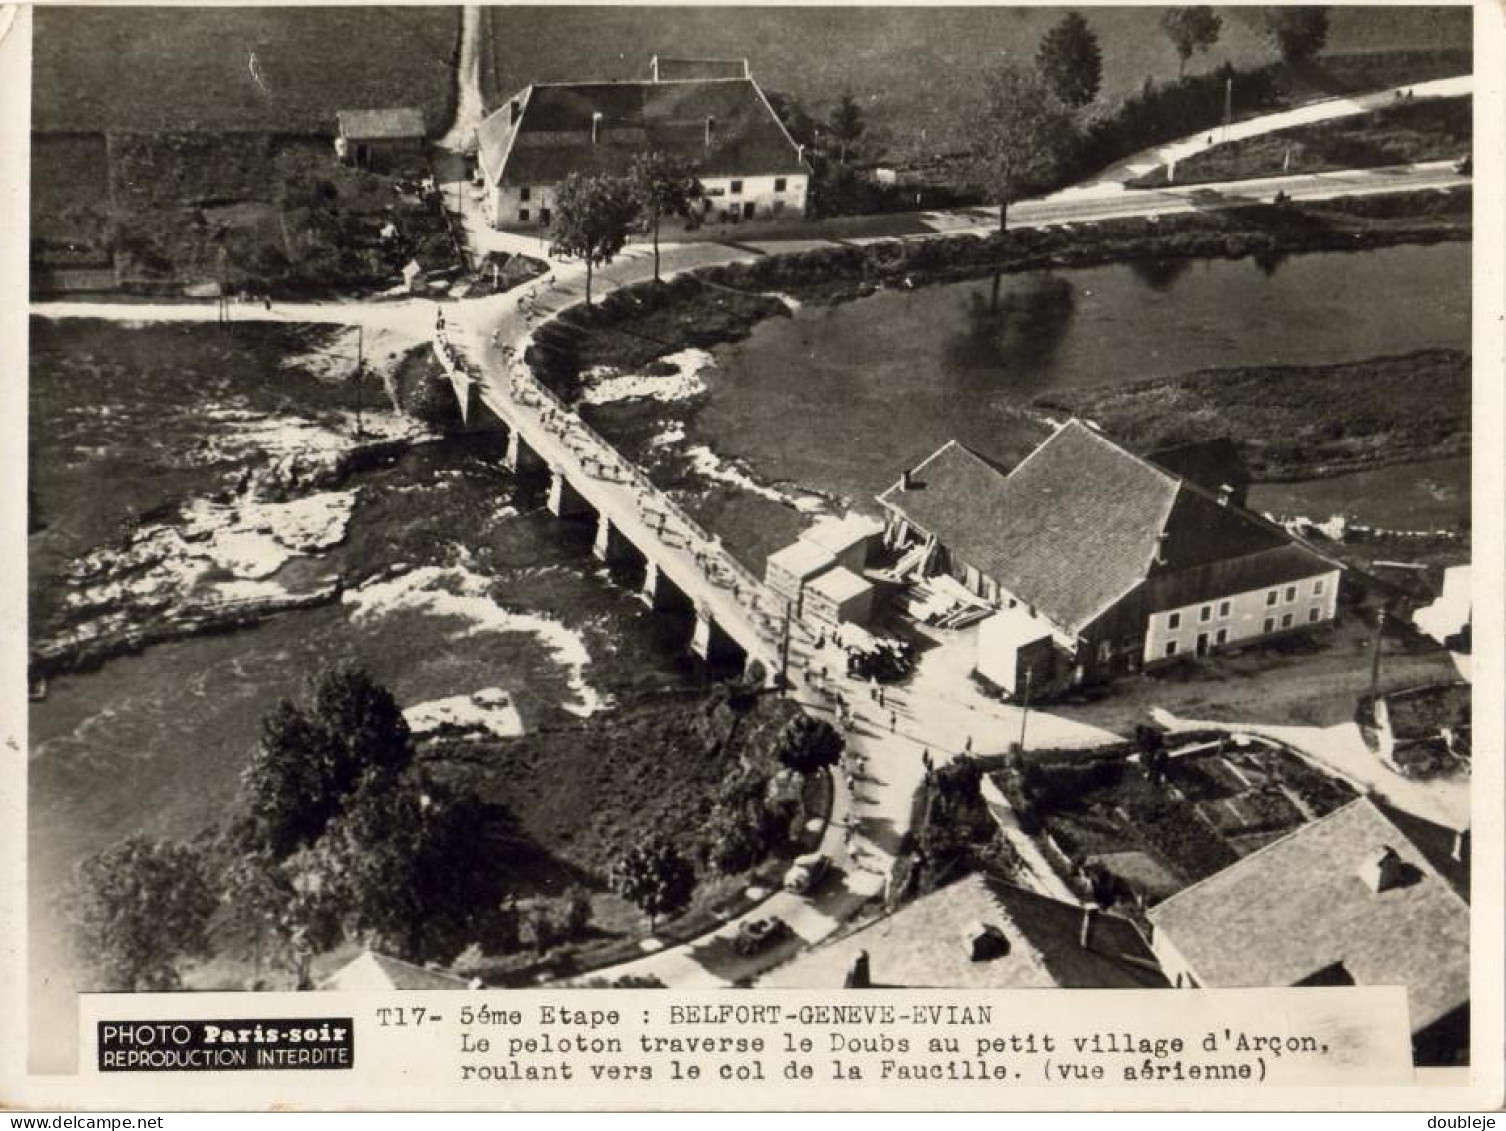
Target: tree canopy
<point x="846" y="125"/>
<point x="807" y="744"/>
<point x="1022" y="137"/>
<point x="1298" y="33"/>
<point x="654" y="877"/>
<point x="1191" y="29"/>
<point x="309" y="760"/>
<point x="136" y="910"/>
<point x="1070" y="62"/>
<point x="662" y="184"/>
<point x="592" y="215"/>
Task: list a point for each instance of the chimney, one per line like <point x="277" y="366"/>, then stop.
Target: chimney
<point x="905" y="482"/>
<point x="1085" y="932"/>
<point x="515" y="107"/>
<point x="595" y="127"/>
<point x="710" y="129"/>
<point x="1382" y="871"/>
<point x="1225" y="493"/>
<point x="1160" y="549"/>
<point x="1460" y="851"/>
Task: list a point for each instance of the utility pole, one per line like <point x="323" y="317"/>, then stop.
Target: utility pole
<point x="1375" y="654"/>
<point x="1025" y="708"/>
<point x="360" y="366"/>
<point x="1228" y="105"/>
<point x="784" y="655"/>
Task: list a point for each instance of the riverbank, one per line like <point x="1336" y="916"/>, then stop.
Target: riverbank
<point x="1296" y="422"/>
<point x="633" y="327"/>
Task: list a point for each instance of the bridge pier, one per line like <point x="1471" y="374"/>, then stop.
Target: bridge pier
<point x="611" y="547"/>
<point x="711" y="643"/>
<point x="564" y="500"/>
<point x="661" y="594"/>
<point x="520" y="457"/>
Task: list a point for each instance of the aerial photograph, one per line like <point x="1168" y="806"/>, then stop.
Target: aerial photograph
<point x="693" y="497"/>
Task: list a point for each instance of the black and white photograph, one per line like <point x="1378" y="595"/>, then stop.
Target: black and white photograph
<point x="736" y="498"/>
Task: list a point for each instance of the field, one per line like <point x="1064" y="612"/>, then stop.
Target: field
<point x="183" y="69"/>
<point x="1432" y="130"/>
<point x="914" y="69"/>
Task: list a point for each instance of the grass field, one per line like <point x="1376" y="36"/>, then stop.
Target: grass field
<point x="913" y="69"/>
<point x="1407" y="132"/>
<point x="133" y="68"/>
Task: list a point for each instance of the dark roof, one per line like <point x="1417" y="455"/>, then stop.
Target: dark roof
<point x="1208" y="463"/>
<point x="922" y="945"/>
<point x="1288" y="912"/>
<point x="392" y="122"/>
<point x="1079" y="522"/>
<point x="552" y="137"/>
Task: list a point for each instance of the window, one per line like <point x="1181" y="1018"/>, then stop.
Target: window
<point x="737" y="188"/>
<point x="1286" y="620"/>
<point x="1171" y="647"/>
<point x="706" y="205"/>
<point x="1313" y="614"/>
<point x="1105" y="650"/>
<point x="523" y="215"/>
<point x="1205" y="613"/>
<point x="778" y="184"/>
<point x="1318" y="588"/>
<point x="1270" y="624"/>
<point x="1291" y="592"/>
<point x="1222" y="637"/>
<point x="524" y="192"/>
<point x="1223" y="608"/>
<point x="1174" y="621"/>
<point x="1270" y="598"/>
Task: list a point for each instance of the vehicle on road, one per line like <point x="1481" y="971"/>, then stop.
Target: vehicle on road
<point x="805" y="872"/>
<point x="756" y="934"/>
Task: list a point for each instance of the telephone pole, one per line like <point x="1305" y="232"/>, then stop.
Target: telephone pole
<point x="1025" y="708"/>
<point x="360" y="366"/>
<point x="1375" y="654"/>
<point x="784" y="655"/>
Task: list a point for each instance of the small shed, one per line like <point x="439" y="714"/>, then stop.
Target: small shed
<point x="838" y="596"/>
<point x="381" y="140"/>
<point x="1012" y="643"/>
<point x="848" y="539"/>
<point x="788" y="570"/>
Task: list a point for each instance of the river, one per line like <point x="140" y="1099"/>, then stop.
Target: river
<point x="834" y="400"/>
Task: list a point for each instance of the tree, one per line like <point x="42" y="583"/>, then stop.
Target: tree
<point x="1023" y="137"/>
<point x="654" y="877"/>
<point x="1191" y="29"/>
<point x="136" y="910"/>
<point x="408" y="864"/>
<point x="592" y="214"/>
<point x="308" y="761"/>
<point x="806" y="744"/>
<point x="1298" y="33"/>
<point x="846" y="125"/>
<point x="1070" y="62"/>
<point x="662" y="184"/>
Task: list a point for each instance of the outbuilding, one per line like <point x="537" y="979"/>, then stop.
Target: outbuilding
<point x="837" y="597"/>
<point x="788" y="570"/>
<point x="381" y="140"/>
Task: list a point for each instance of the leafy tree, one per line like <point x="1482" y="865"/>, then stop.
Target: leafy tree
<point x="1298" y="33"/>
<point x="654" y="877"/>
<point x="662" y="184"/>
<point x="577" y="912"/>
<point x="1191" y="29"/>
<point x="407" y="862"/>
<point x="308" y="762"/>
<point x="796" y="120"/>
<point x="591" y="218"/>
<point x="807" y="744"/>
<point x="1070" y="61"/>
<point x="846" y="125"/>
<point x="136" y="910"/>
<point x="1023" y="137"/>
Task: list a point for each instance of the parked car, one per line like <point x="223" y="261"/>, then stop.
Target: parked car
<point x="805" y="872"/>
<point x="756" y="934"/>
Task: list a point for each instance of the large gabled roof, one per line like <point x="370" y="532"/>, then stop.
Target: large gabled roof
<point x="1081" y="523"/>
<point x="1299" y="906"/>
<point x="552" y="135"/>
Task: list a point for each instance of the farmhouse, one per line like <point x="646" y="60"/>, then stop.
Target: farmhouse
<point x="1099" y="562"/>
<point x="381" y="140"/>
<point x="716" y="118"/>
<point x="1346" y="900"/>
